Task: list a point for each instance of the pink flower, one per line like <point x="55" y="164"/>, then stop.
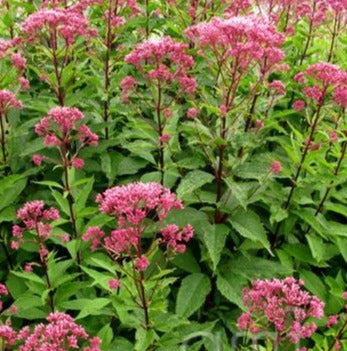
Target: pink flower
<point x="24" y="83"/>
<point x="141" y="263"/>
<point x="86" y="137"/>
<point x="68" y="23"/>
<point x="167" y="113"/>
<point x="192" y="113"/>
<point x="14" y="309"/>
<point x="7" y="101"/>
<point x="163" y="60"/>
<point x="61" y="333"/>
<point x="340" y="96"/>
<point x="127" y="84"/>
<point x="114" y="284"/>
<point x="281" y="306"/>
<point x="300" y="78"/>
<point x="3" y="290"/>
<point x="78" y="163"/>
<point x="223" y="110"/>
<point x="95" y="234"/>
<point x="61" y="129"/>
<point x="259" y="123"/>
<point x="14" y="245"/>
<point x="278" y="87"/>
<point x="19" y="62"/>
<point x="65" y="238"/>
<point x="332" y="320"/>
<point x="8" y="336"/>
<point x="34" y="216"/>
<point x="334" y="136"/>
<point x="132" y="203"/>
<point x="164" y="138"/>
<point x="275" y="167"/>
<point x="244" y="39"/>
<point x="298" y="105"/>
<point x="52" y="140"/>
<point x="28" y="268"/>
<point x="176" y="239"/>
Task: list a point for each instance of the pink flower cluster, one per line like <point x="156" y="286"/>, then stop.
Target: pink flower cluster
<point x="34" y="216"/>
<point x="132" y="203"/>
<point x="325" y="76"/>
<point x="236" y="7"/>
<point x="68" y="23"/>
<point x="135" y="206"/>
<point x="3" y="292"/>
<point x="176" y="239"/>
<point x="245" y="39"/>
<point x="281" y="305"/>
<point x="314" y="10"/>
<point x="61" y="333"/>
<point x="7" y="101"/>
<point x="119" y="7"/>
<point x="60" y="130"/>
<point x="162" y="60"/>
<point x="8" y="336"/>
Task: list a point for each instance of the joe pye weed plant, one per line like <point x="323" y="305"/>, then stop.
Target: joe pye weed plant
<point x="173" y="173"/>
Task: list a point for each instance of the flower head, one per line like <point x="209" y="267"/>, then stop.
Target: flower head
<point x="162" y="60"/>
<point x="7" y="101"/>
<point x="282" y="305"/>
<point x="61" y="333"/>
<point x="61" y="128"/>
<point x="34" y="215"/>
<point x="68" y="23"/>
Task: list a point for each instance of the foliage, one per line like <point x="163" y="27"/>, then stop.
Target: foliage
<point x="224" y="118"/>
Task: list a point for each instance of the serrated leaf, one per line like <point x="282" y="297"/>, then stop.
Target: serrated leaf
<point x="214" y="238"/>
<point x="192" y="293"/>
<point x="193" y="181"/>
<point x="248" y="224"/>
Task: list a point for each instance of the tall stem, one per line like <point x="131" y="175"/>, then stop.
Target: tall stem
<point x="303" y="158"/>
<point x="147" y="19"/>
<point x="144" y="302"/>
<point x="308" y="41"/>
<point x="7" y="254"/>
<point x="107" y="66"/>
<point x="3" y="148"/>
<point x="339" y="334"/>
<point x="327" y="191"/>
<point x="218" y="216"/>
<point x="332" y="45"/>
<point x="45" y="269"/>
<point x="70" y="200"/>
<point x="160" y="132"/>
<point x="304" y="155"/>
<point x="11" y="26"/>
<point x="59" y="92"/>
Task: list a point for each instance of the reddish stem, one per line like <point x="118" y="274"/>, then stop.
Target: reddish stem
<point x="3" y="148"/>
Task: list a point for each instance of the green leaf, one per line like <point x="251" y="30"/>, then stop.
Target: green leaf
<point x="192" y="293"/>
<point x="50" y="183"/>
<point x="313" y="284"/>
<point x="106" y="336"/>
<point x="193" y="181"/>
<point x="187" y="262"/>
<point x="316" y="245"/>
<point x="62" y="201"/>
<point x="230" y="286"/>
<point x="248" y="224"/>
<point x="83" y="195"/>
<point x="9" y="195"/>
<point x="342" y="245"/>
<point x="214" y="238"/>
